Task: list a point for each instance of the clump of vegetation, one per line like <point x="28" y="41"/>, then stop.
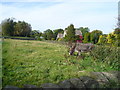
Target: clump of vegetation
<point x="108" y="55"/>
<point x="12" y="28"/>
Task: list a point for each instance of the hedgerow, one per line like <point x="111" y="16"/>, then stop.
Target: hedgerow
<point x="107" y="54"/>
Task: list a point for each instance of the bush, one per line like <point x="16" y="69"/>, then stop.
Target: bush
<point x="52" y="38"/>
<point x="107" y="54"/>
<point x="38" y="38"/>
<point x="117" y="43"/>
<point x="60" y="39"/>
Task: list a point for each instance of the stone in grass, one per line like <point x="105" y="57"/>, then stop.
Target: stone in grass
<point x="29" y="86"/>
<point x="113" y="75"/>
<point x="100" y="77"/>
<point x="47" y="86"/>
<point x="89" y="82"/>
<point x="9" y="87"/>
<point x="66" y="84"/>
<point x="77" y="83"/>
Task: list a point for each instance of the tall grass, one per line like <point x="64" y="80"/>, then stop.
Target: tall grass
<point x="107" y="54"/>
<point x="37" y="62"/>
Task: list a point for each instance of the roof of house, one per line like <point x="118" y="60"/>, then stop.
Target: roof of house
<point x="77" y="32"/>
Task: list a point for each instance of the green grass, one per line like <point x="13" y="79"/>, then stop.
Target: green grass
<point x="18" y="37"/>
<point x="37" y="62"/>
<point x="0" y="63"/>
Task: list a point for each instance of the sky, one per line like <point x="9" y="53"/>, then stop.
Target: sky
<point x="54" y="14"/>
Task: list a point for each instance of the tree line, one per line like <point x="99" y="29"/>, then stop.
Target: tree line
<point x="13" y="28"/>
<point x="24" y="29"/>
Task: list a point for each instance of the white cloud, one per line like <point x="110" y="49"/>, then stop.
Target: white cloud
<point x="60" y="15"/>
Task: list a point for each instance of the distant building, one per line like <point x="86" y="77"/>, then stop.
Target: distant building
<point x="59" y="35"/>
<point x="77" y="32"/>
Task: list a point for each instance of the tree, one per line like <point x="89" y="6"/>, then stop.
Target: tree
<point x="117" y="31"/>
<point x="86" y="37"/>
<point x="94" y="36"/>
<point x="84" y="30"/>
<point x="8" y="27"/>
<point x="48" y="34"/>
<point x="117" y="37"/>
<point x="117" y="40"/>
<point x="12" y="28"/>
<point x="111" y="38"/>
<point x="70" y="36"/>
<point x="102" y="39"/>
<point x="44" y="35"/>
<point x="22" y="29"/>
<point x="35" y="33"/>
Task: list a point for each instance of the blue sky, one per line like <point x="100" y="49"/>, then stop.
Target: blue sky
<point x="54" y="14"/>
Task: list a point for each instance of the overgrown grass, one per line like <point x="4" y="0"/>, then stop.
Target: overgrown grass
<point x="107" y="54"/>
<point x="0" y="63"/>
<point x="37" y="62"/>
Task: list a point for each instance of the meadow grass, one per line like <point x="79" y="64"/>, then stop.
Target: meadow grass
<point x="0" y="63"/>
<point x="37" y="62"/>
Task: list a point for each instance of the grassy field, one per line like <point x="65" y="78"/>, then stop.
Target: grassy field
<point x="37" y="62"/>
<point x="0" y="63"/>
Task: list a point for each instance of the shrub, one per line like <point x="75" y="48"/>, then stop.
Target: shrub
<point x="52" y="38"/>
<point x="38" y="38"/>
<point x="60" y="39"/>
<point x="107" y="54"/>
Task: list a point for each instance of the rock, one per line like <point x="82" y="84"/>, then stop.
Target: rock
<point x="100" y="78"/>
<point x="66" y="84"/>
<point x="9" y="87"/>
<point x="29" y="86"/>
<point x="77" y="83"/>
<point x="51" y="86"/>
<point x="89" y="82"/>
<point x="113" y="75"/>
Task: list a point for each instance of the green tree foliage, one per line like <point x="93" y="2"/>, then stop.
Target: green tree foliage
<point x="117" y="37"/>
<point x="35" y="34"/>
<point x="44" y="35"/>
<point x="70" y="36"/>
<point x="86" y="37"/>
<point x="12" y="28"/>
<point x="110" y="38"/>
<point x="8" y="27"/>
<point x="94" y="36"/>
<point x="55" y="32"/>
<point x="117" y="31"/>
<point x="84" y="30"/>
<point x="77" y="37"/>
<point x="22" y="29"/>
<point x="48" y="34"/>
<point x="114" y="37"/>
<point x="102" y="39"/>
<point x="117" y="41"/>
